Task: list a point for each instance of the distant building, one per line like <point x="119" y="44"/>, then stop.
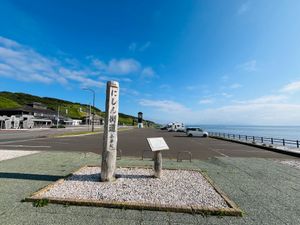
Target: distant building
<point x="29" y="116"/>
<point x="72" y="122"/>
<point x="37" y="115"/>
<point x="35" y="109"/>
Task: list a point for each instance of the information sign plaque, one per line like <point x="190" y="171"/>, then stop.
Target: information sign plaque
<point x="157" y="144"/>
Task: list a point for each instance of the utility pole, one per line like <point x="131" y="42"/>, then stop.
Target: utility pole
<point x="90" y="110"/>
<point x="57" y="116"/>
<point x="93" y="114"/>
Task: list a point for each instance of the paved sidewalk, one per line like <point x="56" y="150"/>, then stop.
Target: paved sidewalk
<point x="267" y="191"/>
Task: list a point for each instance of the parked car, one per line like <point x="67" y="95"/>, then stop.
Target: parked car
<point x="195" y="131"/>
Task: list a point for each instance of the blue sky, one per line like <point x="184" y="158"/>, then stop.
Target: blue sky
<point x="199" y="62"/>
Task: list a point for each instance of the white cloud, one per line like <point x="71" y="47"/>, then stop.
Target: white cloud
<point x="8" y="43"/>
<point x="148" y="72"/>
<point x="225" y="77"/>
<point x="128" y="91"/>
<point x="164" y="105"/>
<point x="206" y="101"/>
<point x="165" y="86"/>
<point x="268" y="99"/>
<point x="249" y="66"/>
<point x="117" y="66"/>
<point x="79" y="76"/>
<point x="22" y="63"/>
<point x="291" y="87"/>
<point x="145" y="46"/>
<point x="126" y="79"/>
<point x="132" y="47"/>
<point x="245" y="7"/>
<point x="255" y="114"/>
<point x="123" y="66"/>
<point x="191" y="88"/>
<point x="235" y="86"/>
<point x="266" y="110"/>
<point x="226" y="95"/>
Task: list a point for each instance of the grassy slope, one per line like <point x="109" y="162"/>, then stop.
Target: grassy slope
<point x="6" y="103"/>
<point x="20" y="99"/>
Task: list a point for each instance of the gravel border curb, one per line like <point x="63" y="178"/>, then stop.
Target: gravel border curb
<point x="232" y="210"/>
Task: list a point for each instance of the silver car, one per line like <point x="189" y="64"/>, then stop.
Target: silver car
<point x="195" y="131"/>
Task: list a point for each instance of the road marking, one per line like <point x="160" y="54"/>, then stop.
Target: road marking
<point x="23" y="140"/>
<point x="216" y="150"/>
<point x="26" y="146"/>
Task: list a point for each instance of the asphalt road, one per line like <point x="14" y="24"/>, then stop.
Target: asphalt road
<point x="25" y="134"/>
<point x="133" y="143"/>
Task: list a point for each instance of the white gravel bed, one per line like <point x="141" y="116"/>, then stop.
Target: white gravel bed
<point x="175" y="188"/>
<point x="10" y="154"/>
<point x="292" y="163"/>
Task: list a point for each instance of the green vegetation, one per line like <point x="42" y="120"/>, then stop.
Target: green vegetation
<point x="6" y="103"/>
<point x="21" y="99"/>
<point x="59" y="126"/>
<point x="40" y="203"/>
<point x="67" y="108"/>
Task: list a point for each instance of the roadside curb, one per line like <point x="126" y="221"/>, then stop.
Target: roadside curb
<point x="75" y="135"/>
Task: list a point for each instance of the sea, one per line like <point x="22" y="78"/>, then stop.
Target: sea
<point x="286" y="132"/>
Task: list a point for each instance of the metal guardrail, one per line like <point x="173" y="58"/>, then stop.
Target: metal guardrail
<point x="257" y="139"/>
<point x="179" y="159"/>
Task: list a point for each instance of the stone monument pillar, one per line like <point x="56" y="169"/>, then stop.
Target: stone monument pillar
<point x="110" y="136"/>
<point x="140" y="120"/>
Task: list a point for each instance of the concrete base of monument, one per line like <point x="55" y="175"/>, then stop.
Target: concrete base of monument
<point x="187" y="191"/>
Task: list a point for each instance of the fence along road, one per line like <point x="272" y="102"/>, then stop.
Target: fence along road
<point x="289" y="146"/>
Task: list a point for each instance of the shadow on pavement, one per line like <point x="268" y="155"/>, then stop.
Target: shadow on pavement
<point x="25" y="176"/>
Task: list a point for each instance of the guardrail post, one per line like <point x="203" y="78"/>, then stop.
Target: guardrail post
<point x="283" y="142"/>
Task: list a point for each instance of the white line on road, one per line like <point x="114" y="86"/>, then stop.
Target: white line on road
<point x="26" y="146"/>
<point x="216" y="150"/>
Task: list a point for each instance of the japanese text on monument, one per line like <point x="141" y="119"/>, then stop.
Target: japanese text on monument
<point x="112" y="120"/>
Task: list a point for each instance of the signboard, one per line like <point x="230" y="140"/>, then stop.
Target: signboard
<point x="157" y="144"/>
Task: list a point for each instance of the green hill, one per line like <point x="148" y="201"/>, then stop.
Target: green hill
<point x="6" y="103"/>
<point x="75" y="110"/>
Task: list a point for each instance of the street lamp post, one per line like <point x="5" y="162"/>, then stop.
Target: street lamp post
<point x="93" y="117"/>
<point x="57" y="124"/>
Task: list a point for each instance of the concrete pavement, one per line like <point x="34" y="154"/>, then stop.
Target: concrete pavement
<point x="267" y="191"/>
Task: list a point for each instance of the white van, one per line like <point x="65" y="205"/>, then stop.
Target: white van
<point x="195" y="131"/>
<point x="176" y="127"/>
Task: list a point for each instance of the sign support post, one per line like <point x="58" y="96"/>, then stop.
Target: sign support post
<point x="157" y="145"/>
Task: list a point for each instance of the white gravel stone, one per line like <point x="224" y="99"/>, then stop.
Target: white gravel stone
<point x="174" y="188"/>
<point x="292" y="163"/>
<point x="10" y="154"/>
